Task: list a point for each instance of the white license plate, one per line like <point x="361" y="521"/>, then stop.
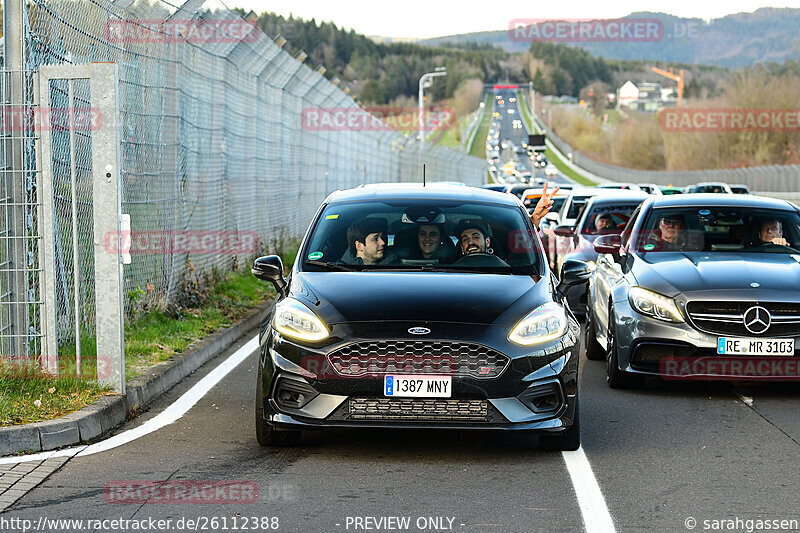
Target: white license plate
<point x="745" y="346"/>
<point x="417" y="386"/>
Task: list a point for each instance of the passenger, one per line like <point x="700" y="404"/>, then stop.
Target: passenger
<point x="430" y="239"/>
<point x="366" y="241"/>
<point x="771" y="232"/>
<point x="474" y="237"/>
<point x="603" y="221"/>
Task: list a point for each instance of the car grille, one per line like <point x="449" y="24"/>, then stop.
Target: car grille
<point x="418" y="357"/>
<point x="418" y="409"/>
<point x="727" y="318"/>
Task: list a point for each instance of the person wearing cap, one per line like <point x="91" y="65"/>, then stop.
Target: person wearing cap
<point x="603" y="221"/>
<point x="474" y="237"/>
<point x="366" y="240"/>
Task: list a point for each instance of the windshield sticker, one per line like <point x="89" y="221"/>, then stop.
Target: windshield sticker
<point x="649" y="247"/>
<point x="331" y="217"/>
<point x="315" y="255"/>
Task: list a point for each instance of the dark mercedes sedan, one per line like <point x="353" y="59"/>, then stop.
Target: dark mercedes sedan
<point x="703" y="286"/>
<point x="419" y="307"/>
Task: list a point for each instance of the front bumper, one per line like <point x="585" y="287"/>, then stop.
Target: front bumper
<point x="650" y="347"/>
<point x="536" y="390"/>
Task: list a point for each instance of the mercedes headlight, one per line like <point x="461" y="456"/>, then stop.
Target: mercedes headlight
<point x="545" y="323"/>
<point x="295" y="320"/>
<point x="654" y="305"/>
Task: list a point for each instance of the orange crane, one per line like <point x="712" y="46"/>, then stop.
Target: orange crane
<point x="678" y="78"/>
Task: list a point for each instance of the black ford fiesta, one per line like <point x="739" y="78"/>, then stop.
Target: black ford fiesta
<point x="419" y="307"/>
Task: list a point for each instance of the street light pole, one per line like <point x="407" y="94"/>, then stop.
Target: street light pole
<point x="424" y="82"/>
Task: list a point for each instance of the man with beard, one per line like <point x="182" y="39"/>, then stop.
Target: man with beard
<point x="474" y="237"/>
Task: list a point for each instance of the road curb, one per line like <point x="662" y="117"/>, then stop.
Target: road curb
<point x="107" y="412"/>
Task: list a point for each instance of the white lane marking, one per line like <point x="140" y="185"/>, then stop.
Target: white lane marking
<point x="169" y="415"/>
<point x="596" y="518"/>
<point x="66" y="452"/>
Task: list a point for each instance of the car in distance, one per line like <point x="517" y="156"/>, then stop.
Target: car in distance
<point x="740" y="189"/>
<point x="550" y="170"/>
<point x="650" y="188"/>
<point x="671" y="190"/>
<point x="724" y="295"/>
<point x="709" y="187"/>
<point x="619" y="185"/>
<point x="373" y="334"/>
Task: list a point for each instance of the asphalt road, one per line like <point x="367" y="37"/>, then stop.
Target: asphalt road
<point x="661" y="455"/>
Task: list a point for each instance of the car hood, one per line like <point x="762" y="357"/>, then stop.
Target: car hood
<point x="489" y="299"/>
<point x="671" y="273"/>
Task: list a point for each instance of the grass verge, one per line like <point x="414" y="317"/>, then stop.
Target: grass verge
<point x="478" y="148"/>
<point x="215" y="302"/>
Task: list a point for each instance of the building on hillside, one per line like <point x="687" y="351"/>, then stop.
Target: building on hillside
<point x="645" y="96"/>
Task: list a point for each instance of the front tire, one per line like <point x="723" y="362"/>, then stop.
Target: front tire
<point x="265" y="433"/>
<point x="568" y="440"/>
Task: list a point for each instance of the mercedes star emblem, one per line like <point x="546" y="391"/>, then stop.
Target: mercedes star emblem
<point x="757" y="319"/>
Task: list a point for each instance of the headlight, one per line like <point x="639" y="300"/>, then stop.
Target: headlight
<point x="545" y="323"/>
<point x="295" y="320"/>
<point x="654" y="305"/>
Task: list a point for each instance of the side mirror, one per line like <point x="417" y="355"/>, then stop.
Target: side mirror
<point x="552" y="215"/>
<point x="608" y="244"/>
<point x="573" y="272"/>
<point x="564" y="231"/>
<point x="270" y="268"/>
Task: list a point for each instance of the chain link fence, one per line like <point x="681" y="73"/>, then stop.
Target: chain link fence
<point x="211" y="141"/>
<point x="783" y="179"/>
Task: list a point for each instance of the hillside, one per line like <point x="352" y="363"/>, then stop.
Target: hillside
<point x="734" y="41"/>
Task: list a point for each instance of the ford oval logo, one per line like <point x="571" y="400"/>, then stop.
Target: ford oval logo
<point x="419" y="331"/>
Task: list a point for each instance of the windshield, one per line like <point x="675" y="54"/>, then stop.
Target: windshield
<point x="607" y="218"/>
<point x="423" y="235"/>
<point x="720" y="229"/>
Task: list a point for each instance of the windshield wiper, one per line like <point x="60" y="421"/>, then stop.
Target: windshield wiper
<point x="334" y="266"/>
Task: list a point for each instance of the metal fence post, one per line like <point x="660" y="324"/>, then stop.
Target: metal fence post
<point x="107" y="199"/>
<point x="14" y="178"/>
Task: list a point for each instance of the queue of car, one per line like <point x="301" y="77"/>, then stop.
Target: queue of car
<point x="458" y="319"/>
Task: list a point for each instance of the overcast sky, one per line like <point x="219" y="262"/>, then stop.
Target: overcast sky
<point x="434" y="18"/>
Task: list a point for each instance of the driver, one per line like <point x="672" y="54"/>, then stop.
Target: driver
<point x="771" y="232"/>
<point x="474" y="237"/>
<point x="603" y="221"/>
